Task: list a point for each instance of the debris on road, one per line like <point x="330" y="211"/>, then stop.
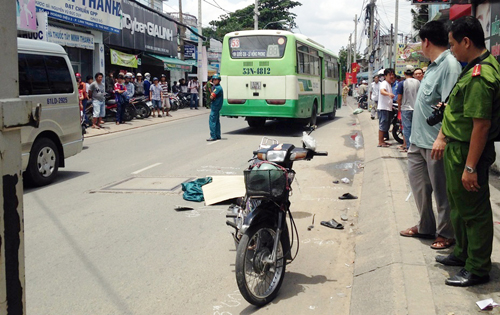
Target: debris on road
<point x="332" y="224"/>
<point x="183" y="208"/>
<point x="345" y="180"/>
<point x="347" y="196"/>
<point x="487" y="304"/>
<point x="343" y="217"/>
<point x="357" y="111"/>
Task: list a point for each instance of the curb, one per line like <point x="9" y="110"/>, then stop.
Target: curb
<point x="383" y="265"/>
<point x="130" y="126"/>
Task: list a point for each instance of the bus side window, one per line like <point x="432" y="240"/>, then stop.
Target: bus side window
<point x="24" y="82"/>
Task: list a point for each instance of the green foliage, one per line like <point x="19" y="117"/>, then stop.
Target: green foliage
<point x="420" y="16"/>
<point x="343" y="59"/>
<point x="270" y="11"/>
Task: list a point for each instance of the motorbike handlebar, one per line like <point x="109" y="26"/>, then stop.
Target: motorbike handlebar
<point x="321" y="153"/>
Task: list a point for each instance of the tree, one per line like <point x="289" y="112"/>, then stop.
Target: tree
<point x="420" y="16"/>
<point x="270" y="11"/>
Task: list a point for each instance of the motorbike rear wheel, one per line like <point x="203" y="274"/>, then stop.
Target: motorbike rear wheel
<point x="258" y="280"/>
<point x="397" y="133"/>
<point x="130" y="112"/>
<point x="142" y="111"/>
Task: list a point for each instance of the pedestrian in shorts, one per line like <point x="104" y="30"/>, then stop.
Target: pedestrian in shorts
<point x="155" y="96"/>
<point x="97" y="91"/>
<point x="385" y="99"/>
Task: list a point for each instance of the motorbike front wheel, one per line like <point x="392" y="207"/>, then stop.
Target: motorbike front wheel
<point x="397" y="133"/>
<point x="259" y="280"/>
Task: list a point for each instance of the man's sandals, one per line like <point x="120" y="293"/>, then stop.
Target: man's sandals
<point x="439" y="243"/>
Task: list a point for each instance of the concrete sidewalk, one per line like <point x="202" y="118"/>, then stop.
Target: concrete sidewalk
<point x="112" y="127"/>
<point x="398" y="275"/>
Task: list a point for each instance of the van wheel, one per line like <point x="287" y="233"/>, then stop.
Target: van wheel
<point x="43" y="164"/>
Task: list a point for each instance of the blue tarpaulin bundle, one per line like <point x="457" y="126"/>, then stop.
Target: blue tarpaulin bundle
<point x="192" y="190"/>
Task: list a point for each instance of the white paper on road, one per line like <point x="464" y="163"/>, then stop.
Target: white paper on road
<point x="223" y="188"/>
<point x="486" y="304"/>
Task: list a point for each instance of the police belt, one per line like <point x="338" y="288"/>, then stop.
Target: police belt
<point x="450" y="140"/>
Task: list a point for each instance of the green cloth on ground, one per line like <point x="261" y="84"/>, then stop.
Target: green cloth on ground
<point x="192" y="190"/>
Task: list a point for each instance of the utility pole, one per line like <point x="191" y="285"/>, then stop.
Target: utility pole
<point x="183" y="31"/>
<point x="256" y="15"/>
<point x="370" y="47"/>
<point x="396" y="35"/>
<point x="201" y="67"/>
<point x="390" y="48"/>
<point x="349" y="55"/>
<point x="355" y="38"/>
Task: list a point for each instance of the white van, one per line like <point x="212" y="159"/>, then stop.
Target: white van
<point x="46" y="77"/>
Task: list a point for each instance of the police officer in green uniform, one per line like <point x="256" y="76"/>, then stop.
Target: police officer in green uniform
<point x="471" y="122"/>
<point x="217" y="97"/>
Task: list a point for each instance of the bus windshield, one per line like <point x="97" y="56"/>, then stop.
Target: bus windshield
<point x="259" y="46"/>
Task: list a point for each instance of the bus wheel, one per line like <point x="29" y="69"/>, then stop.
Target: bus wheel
<point x="331" y="115"/>
<point x="256" y="122"/>
<point x="314" y="116"/>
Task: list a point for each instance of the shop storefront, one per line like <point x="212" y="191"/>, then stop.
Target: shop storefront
<point x="78" y="26"/>
<point x="144" y="33"/>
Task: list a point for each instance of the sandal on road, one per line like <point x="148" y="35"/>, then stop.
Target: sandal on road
<point x="332" y="224"/>
<point x="347" y="196"/>
<point x="442" y="243"/>
<point x="413" y="232"/>
<point x="385" y="145"/>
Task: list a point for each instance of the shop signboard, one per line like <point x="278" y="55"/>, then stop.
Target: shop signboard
<point x="69" y="38"/>
<point x="122" y="59"/>
<point x="190" y="51"/>
<point x="99" y="14"/>
<point x="214" y="56"/>
<point x="190" y="35"/>
<point x="145" y="30"/>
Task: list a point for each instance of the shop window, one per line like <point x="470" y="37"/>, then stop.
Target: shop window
<point x="60" y="78"/>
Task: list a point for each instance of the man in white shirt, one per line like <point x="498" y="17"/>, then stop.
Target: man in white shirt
<point x="384" y="107"/>
<point x="374" y="96"/>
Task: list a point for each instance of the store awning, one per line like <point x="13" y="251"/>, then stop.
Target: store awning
<point x="459" y="10"/>
<point x="173" y="64"/>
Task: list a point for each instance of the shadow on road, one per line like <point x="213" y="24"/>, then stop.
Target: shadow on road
<point x="280" y="128"/>
<point x="61" y="177"/>
<point x="293" y="284"/>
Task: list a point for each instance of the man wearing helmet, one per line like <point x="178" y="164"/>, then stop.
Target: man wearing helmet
<point x="130" y="87"/>
<point x="139" y="85"/>
<point x="217" y="97"/>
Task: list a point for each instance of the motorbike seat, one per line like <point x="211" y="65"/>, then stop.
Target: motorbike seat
<point x="111" y="102"/>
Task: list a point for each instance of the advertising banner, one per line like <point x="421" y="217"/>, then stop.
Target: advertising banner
<point x="69" y="38"/>
<point x="122" y="59"/>
<point x="26" y="15"/>
<point x="41" y="30"/>
<point x="355" y="68"/>
<point x="145" y="30"/>
<point x="99" y="14"/>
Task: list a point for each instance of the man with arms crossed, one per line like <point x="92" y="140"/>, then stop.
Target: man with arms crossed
<point x="425" y="174"/>
<point x="470" y="125"/>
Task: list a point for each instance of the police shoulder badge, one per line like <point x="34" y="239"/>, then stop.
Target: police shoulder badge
<point x="476" y="71"/>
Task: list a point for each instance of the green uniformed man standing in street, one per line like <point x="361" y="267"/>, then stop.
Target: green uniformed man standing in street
<point x="471" y="122"/>
<point x="217" y="98"/>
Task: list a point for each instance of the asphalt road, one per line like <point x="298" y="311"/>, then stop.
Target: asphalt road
<point x="105" y="238"/>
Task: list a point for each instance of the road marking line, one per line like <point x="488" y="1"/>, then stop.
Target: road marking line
<point x="146" y="168"/>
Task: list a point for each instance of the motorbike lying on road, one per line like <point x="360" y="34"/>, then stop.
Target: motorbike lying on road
<point x="363" y="101"/>
<point x="260" y="222"/>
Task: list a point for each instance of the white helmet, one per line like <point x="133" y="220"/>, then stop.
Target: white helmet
<point x="147" y="75"/>
<point x="138" y="75"/>
<point x="129" y="75"/>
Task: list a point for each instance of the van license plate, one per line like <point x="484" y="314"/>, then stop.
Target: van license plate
<point x="254" y="85"/>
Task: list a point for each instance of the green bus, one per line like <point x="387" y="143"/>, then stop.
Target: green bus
<point x="273" y="74"/>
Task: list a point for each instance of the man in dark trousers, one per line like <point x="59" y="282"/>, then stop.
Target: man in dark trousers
<point x="217" y="97"/>
<point x="471" y="122"/>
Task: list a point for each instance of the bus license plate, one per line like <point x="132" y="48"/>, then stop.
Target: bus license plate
<point x="254" y="85"/>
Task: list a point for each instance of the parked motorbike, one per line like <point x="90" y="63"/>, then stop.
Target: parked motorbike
<point x="397" y="126"/>
<point x="363" y="101"/>
<point x="111" y="108"/>
<point x="143" y="110"/>
<point x="261" y="231"/>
